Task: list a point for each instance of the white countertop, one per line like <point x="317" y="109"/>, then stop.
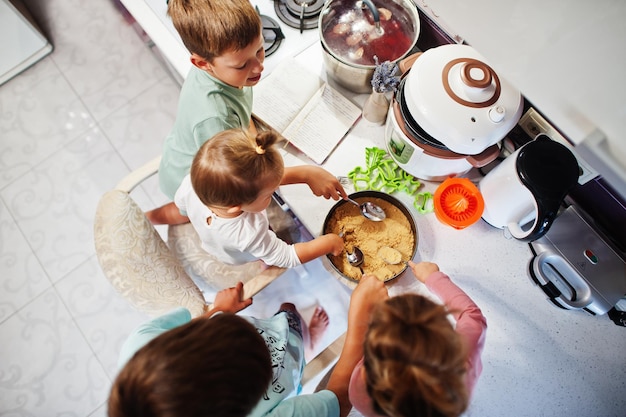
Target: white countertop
<point x="538" y="359"/>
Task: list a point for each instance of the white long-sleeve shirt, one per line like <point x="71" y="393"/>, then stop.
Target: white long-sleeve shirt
<point x="236" y="240"/>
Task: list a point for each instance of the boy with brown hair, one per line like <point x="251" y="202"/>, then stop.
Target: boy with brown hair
<point x="226" y="44"/>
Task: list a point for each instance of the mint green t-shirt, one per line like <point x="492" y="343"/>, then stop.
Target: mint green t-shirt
<point x="206" y="106"/>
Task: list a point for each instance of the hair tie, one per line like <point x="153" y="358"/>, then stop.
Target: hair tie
<point x="259" y="150"/>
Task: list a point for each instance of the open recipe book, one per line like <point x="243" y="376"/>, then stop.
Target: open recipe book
<point x="304" y="109"/>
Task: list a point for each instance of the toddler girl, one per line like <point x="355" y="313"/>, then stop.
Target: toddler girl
<point x="231" y="182"/>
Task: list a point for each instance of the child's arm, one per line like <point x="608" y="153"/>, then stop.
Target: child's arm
<point x="369" y="291"/>
<point x="330" y="243"/>
<point x="321" y="182"/>
<point x="457" y="301"/>
<point x="471" y="324"/>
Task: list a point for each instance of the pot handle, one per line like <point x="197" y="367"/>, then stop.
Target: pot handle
<point x="405" y="64"/>
<point x="485" y="157"/>
<point x="546" y="212"/>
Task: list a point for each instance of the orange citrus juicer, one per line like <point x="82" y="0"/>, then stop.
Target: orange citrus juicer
<point x="458" y="203"/>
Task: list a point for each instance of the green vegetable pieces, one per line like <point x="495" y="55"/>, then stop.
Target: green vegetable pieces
<point x="381" y="173"/>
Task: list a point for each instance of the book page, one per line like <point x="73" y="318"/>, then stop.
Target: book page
<point x="309" y="113"/>
<point x="322" y="123"/>
<point x="279" y="97"/>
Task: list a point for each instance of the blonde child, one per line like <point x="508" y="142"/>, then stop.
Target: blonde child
<point x="226" y="45"/>
<point x="415" y="363"/>
<point x="231" y="183"/>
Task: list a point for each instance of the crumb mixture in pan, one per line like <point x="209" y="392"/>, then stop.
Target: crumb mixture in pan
<point x="370" y="236"/>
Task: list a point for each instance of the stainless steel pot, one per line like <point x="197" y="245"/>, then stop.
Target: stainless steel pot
<point x="354" y="32"/>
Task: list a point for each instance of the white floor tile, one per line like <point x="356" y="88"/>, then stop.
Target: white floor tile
<point x="138" y="129"/>
<point x="47" y="367"/>
<point x="104" y="317"/>
<point x="22" y="277"/>
<point x="100" y="54"/>
<point x="40" y="114"/>
<point x="54" y="204"/>
<point x="99" y="412"/>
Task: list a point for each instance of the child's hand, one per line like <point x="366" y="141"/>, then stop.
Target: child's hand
<point x="229" y="300"/>
<point x="335" y="243"/>
<point x="423" y="270"/>
<point x="324" y="184"/>
<point x="320" y="181"/>
<point x="370" y="291"/>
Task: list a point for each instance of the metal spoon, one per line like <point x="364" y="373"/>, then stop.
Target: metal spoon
<point x="355" y="258"/>
<point x="370" y="210"/>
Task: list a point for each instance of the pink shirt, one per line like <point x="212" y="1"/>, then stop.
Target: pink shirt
<point x="471" y="325"/>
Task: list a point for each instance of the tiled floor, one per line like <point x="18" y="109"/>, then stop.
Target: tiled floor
<point x="70" y="127"/>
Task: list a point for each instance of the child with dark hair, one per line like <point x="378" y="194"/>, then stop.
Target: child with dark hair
<point x="415" y="362"/>
<point x="186" y="362"/>
<point x="232" y="179"/>
<point x="221" y="364"/>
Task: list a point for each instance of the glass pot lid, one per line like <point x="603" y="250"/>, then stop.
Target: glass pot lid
<point x="354" y="31"/>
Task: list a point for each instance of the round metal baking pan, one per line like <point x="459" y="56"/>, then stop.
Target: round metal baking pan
<point x="383" y="196"/>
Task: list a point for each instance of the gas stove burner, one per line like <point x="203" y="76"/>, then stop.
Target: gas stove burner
<point x="299" y="14"/>
<point x="272" y="35"/>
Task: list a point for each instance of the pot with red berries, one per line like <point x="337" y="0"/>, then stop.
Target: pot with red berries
<point x="357" y="34"/>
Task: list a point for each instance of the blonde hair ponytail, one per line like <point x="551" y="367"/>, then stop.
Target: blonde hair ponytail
<point x="264" y="140"/>
<point x="233" y="167"/>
